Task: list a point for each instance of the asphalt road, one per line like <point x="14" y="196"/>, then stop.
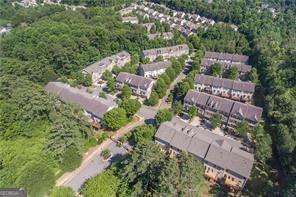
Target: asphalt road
<point x="96" y="165"/>
<point x="93" y="164"/>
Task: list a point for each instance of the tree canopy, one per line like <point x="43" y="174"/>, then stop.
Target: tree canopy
<point x="115" y="118"/>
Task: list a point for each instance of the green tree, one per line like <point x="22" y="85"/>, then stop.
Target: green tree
<point x="105" y="184"/>
<point x="181" y="90"/>
<point x="111" y="85"/>
<point x="165" y="78"/>
<point x="62" y="135"/>
<point x="242" y="128"/>
<point x="61" y="191"/>
<point x="233" y="73"/>
<point x="192" y="112"/>
<point x="131" y="106"/>
<point x="159" y="58"/>
<point x="126" y="92"/>
<point x="216" y="70"/>
<point x="36" y="177"/>
<point x="107" y="75"/>
<point x="153" y="99"/>
<point x="160" y="88"/>
<point x="195" y="65"/>
<point x="215" y="120"/>
<point x="263" y="142"/>
<point x="171" y="73"/>
<point x="188" y="165"/>
<point x="115" y="118"/>
<point x="253" y="76"/>
<point x="106" y="154"/>
<point x="139" y="179"/>
<point x="116" y="70"/>
<point x="145" y="132"/>
<point x="168" y="178"/>
<point x="71" y="159"/>
<point x="177" y="107"/>
<point x="162" y="116"/>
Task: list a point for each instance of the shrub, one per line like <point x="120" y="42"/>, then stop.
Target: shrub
<point x="71" y="159"/>
<point x="106" y="154"/>
<point x="62" y="191"/>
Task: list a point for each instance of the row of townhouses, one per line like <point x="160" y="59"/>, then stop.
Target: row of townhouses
<point x="227" y="61"/>
<point x="225" y="160"/>
<point x="153" y="70"/>
<point x="164" y="35"/>
<point x="147" y="26"/>
<point x="236" y="90"/>
<point x="98" y="68"/>
<point x="189" y="22"/>
<point x="231" y="112"/>
<point x="165" y="52"/>
<point x="141" y="86"/>
<point x="130" y="19"/>
<point x="94" y="107"/>
<point x="128" y="10"/>
<point x="181" y="25"/>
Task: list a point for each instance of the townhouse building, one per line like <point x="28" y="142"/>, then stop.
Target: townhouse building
<point x="232" y="112"/>
<point x="153" y="70"/>
<point x="226" y="60"/>
<point x="225" y="160"/>
<point x="140" y="86"/>
<point x="98" y="68"/>
<point x="166" y="52"/>
<point x="164" y="35"/>
<point x="236" y="90"/>
<point x="242" y="68"/>
<point x="130" y="19"/>
<point x="128" y="10"/>
<point x="94" y="107"/>
<point x="147" y="26"/>
<point x="227" y="57"/>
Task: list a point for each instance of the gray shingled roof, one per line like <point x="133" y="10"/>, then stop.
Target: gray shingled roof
<point x="165" y="50"/>
<point x="134" y="80"/>
<point x="227" y="56"/>
<point x="180" y="141"/>
<point x="155" y="66"/>
<point x="196" y="98"/>
<point x="165" y="132"/>
<point x="219" y="104"/>
<point x="237" y="109"/>
<point x="199" y="147"/>
<point x="218" y="155"/>
<point x="226" y="65"/>
<point x="219" y="150"/>
<point x="240" y="162"/>
<point x="101" y="65"/>
<point x="225" y="83"/>
<point x="246" y="111"/>
<point x="85" y="100"/>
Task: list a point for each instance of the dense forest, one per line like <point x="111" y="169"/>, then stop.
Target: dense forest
<point x="273" y="49"/>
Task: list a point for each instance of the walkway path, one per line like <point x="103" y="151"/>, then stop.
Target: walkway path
<point x="165" y="105"/>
